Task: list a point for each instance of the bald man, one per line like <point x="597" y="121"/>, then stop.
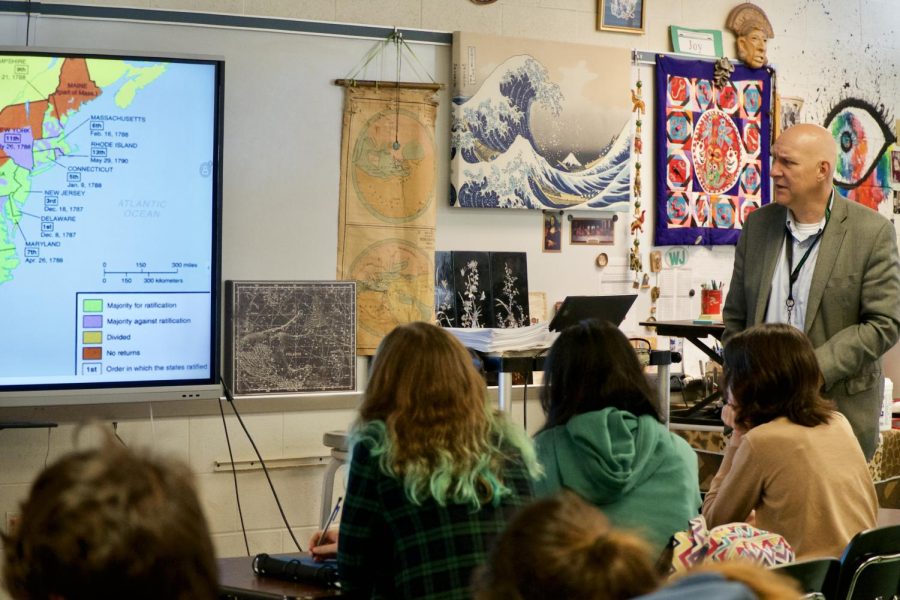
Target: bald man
<point x="828" y="267"/>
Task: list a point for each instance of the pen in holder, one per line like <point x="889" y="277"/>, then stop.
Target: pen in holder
<point x="710" y="303"/>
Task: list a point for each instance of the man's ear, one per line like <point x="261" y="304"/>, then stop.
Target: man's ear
<point x="823" y="170"/>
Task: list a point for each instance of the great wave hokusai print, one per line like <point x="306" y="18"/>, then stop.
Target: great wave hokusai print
<point x="540" y="124"/>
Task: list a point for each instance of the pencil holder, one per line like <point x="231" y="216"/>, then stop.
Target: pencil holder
<point x="711" y="302"/>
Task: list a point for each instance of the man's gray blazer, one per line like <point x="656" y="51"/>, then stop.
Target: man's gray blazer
<point x="853" y="311"/>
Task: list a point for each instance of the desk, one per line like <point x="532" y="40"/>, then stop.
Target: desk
<point x="529" y="361"/>
<point x="694" y="333"/>
<point x="504" y="364"/>
<point x="238" y="582"/>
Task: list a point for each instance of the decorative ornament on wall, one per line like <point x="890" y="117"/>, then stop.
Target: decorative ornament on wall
<point x="752" y="27"/>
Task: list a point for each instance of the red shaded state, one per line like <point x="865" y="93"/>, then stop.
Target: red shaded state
<point x="74" y="89"/>
<point x="14" y="116"/>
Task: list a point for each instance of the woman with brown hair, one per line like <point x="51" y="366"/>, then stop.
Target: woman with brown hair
<point x="434" y="474"/>
<point x="110" y="522"/>
<point x="791" y="458"/>
<point x="563" y="547"/>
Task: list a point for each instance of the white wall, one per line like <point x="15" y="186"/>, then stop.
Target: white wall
<point x="823" y="50"/>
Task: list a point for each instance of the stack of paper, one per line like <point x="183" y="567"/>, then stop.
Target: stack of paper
<point x="505" y="340"/>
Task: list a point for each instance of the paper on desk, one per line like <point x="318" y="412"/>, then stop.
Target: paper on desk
<point x="486" y="339"/>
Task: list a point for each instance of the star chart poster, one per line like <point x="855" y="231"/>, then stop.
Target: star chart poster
<point x="712" y="151"/>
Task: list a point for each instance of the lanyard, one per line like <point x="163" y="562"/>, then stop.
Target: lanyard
<point x="794" y="272"/>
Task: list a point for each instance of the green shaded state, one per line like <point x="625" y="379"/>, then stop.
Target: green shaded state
<point x="38" y="77"/>
<point x="14" y="192"/>
<point x="44" y="160"/>
<point x="8" y="258"/>
<point x="92" y="306"/>
<point x="106" y="72"/>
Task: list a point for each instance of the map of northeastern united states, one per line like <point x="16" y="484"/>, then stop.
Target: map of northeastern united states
<point x="106" y="200"/>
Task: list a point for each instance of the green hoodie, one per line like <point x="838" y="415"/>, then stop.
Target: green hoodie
<point x="642" y="476"/>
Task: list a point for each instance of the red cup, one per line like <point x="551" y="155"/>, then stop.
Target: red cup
<point x="711" y="302"/>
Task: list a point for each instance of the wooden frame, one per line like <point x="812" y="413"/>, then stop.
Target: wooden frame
<point x="608" y="20"/>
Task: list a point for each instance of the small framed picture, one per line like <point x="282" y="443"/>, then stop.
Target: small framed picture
<point x="621" y="15"/>
<point x="594" y="231"/>
<point x="552" y="232"/>
<point x="789" y="112"/>
<point x="895" y="166"/>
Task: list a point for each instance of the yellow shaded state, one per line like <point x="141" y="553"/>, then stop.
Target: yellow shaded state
<point x="106" y="72"/>
<point x="27" y="78"/>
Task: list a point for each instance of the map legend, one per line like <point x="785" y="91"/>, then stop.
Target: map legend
<point x="92" y="336"/>
<point x="141" y="333"/>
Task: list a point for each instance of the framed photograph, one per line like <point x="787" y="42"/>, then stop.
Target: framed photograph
<point x="552" y="232"/>
<point x="621" y="15"/>
<point x="895" y="166"/>
<point x="593" y="231"/>
<point x="702" y="42"/>
<point x="789" y="111"/>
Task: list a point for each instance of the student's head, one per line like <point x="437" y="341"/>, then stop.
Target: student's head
<point x="592" y="366"/>
<point x="425" y="387"/>
<point x="771" y="371"/>
<point x="563" y="547"/>
<point x="422" y="373"/>
<point x="109" y="523"/>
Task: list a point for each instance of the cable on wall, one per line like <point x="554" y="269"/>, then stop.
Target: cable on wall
<point x="262" y="463"/>
<point x="237" y="493"/>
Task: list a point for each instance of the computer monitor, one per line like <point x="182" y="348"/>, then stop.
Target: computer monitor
<point x="604" y="308"/>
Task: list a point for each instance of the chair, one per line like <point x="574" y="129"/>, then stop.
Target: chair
<point x="816" y="576"/>
<point x="870" y="566"/>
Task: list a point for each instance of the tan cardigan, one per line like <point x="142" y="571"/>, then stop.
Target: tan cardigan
<point x="810" y="484"/>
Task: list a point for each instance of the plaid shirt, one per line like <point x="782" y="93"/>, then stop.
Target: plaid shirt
<point x="392" y="548"/>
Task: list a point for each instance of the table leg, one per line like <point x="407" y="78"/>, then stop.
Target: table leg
<point x="504" y="391"/>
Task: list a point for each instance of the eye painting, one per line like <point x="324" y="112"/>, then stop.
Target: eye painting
<point x="863" y="137"/>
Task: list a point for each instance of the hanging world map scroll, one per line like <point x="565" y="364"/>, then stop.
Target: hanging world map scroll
<point x="387" y="211"/>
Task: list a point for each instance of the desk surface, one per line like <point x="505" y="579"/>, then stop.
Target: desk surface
<point x="239" y="582"/>
<point x="686" y="328"/>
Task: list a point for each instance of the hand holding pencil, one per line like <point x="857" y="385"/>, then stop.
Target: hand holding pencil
<point x="324" y="543"/>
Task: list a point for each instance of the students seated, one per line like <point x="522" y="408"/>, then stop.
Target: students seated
<point x="562" y="547"/>
<point x="106" y="524"/>
<point x="434" y="473"/>
<point x="604" y="440"/>
<point x="792" y="458"/>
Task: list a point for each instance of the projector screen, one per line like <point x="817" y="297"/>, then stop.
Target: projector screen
<point x="110" y="196"/>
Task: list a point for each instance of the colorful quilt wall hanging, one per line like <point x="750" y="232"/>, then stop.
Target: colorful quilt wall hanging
<point x="712" y="151"/>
